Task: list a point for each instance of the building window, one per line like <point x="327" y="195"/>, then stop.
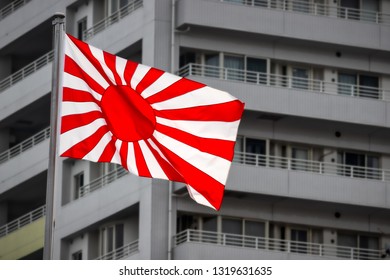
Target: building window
<point x="358" y="85"/>
<point x="234" y="66"/>
<point x="300" y="157"/>
<point x="358" y="165"/>
<point x="299" y="241"/>
<point x="256" y="70"/>
<point x="77" y="255"/>
<point x="233" y="231"/>
<point x="114" y="6"/>
<point x="78" y="183"/>
<point x="366" y="246"/>
<point x="300" y="78"/>
<point x="212" y="63"/>
<point x="112" y="238"/>
<point x="81" y="27"/>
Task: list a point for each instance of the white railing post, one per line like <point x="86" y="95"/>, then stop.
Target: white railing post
<point x="288" y="246"/>
<point x="352" y="169"/>
<point x="190" y="69"/>
<point x="352" y="253"/>
<point x="320" y="249"/>
<point x="321" y="167"/>
<point x="188" y="235"/>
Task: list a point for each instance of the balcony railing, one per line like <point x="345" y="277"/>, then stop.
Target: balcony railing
<point x="11" y="7"/>
<point x="261" y="78"/>
<point x="26" y="71"/>
<point x="102" y="181"/>
<point x="23" y="221"/>
<point x="308" y="7"/>
<point x="113" y="18"/>
<point x="272" y="244"/>
<point x="318" y="167"/>
<point x="121" y="252"/>
<point x="25" y="145"/>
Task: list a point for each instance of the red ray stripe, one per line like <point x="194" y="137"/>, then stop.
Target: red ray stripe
<point x="217" y="147"/>
<point x="224" y="112"/>
<point x="74" y="95"/>
<point x="129" y="71"/>
<point x="140" y="161"/>
<point x="123" y="153"/>
<point x="151" y="76"/>
<point x="181" y="87"/>
<point x="110" y="60"/>
<point x="211" y="189"/>
<point x="73" y="121"/>
<point x="109" y="151"/>
<point x="171" y="173"/>
<point x="84" y="48"/>
<point x="84" y="147"/>
<point x="74" y="69"/>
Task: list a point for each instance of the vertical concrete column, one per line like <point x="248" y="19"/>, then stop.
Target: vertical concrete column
<point x="4" y="139"/>
<point x="3" y="213"/>
<point x="5" y="67"/>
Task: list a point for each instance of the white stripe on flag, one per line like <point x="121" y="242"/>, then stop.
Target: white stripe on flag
<point x="116" y="158"/>
<point x="138" y="75"/>
<point x="219" y="130"/>
<point x="214" y="166"/>
<point x="75" y="108"/>
<point x="164" y="81"/>
<point x="99" y="55"/>
<point x="120" y="65"/>
<point x="199" y="97"/>
<point x="73" y="82"/>
<point x="153" y="165"/>
<point x="198" y="197"/>
<point x="76" y="135"/>
<point x="97" y="151"/>
<point x="73" y="52"/>
<point x="131" y="162"/>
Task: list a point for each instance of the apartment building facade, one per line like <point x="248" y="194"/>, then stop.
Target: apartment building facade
<point x="311" y="173"/>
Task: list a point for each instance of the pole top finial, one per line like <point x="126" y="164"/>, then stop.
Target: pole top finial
<point x="59" y="15"/>
<point x="58" y="18"/>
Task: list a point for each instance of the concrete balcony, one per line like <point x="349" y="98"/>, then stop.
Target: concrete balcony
<point x="24" y="160"/>
<point x="26" y="85"/>
<point x="29" y="16"/>
<point x="112" y="19"/>
<point x="128" y="251"/>
<point x="109" y="195"/>
<point x="287" y="20"/>
<point x="298" y="97"/>
<point x="311" y="180"/>
<point x="12" y="7"/>
<point x="119" y="30"/>
<point x="22" y="236"/>
<point x="195" y="244"/>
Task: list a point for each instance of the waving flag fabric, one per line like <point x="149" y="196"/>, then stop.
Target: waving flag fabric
<point x="153" y="123"/>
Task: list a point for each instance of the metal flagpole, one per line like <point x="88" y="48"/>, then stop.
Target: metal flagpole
<point x="58" y="34"/>
<point x="170" y="188"/>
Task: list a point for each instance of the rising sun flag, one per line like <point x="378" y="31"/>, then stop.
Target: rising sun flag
<point x="153" y="123"/>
